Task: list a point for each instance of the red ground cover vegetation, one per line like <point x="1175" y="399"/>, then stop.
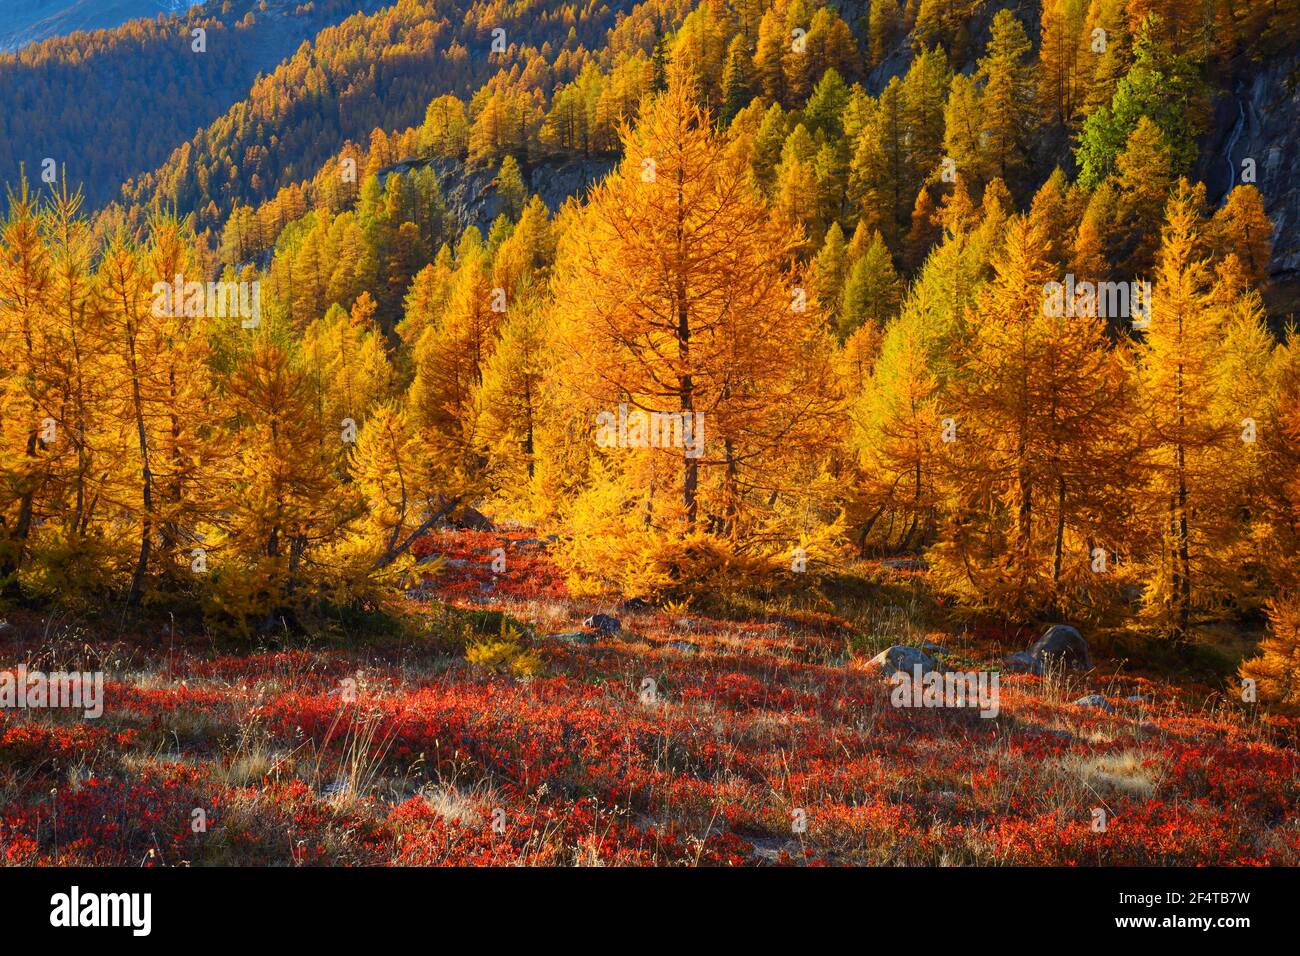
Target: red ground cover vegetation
<point x="762" y="740"/>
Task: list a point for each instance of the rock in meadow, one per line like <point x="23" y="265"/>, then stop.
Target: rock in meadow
<point x="634" y="606"/>
<point x="603" y="623"/>
<point x="471" y="519"/>
<point x="1094" y="700"/>
<point x="1060" y="646"/>
<point x="902" y="658"/>
<point x="576" y="637"/>
<point x="1019" y="662"/>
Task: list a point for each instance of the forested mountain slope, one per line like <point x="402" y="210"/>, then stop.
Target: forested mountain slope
<point x="1229" y="97"/>
<point x="29" y="21"/>
<point x="381" y="72"/>
<point x="110" y="104"/>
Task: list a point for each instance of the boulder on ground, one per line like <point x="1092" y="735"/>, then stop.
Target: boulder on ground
<point x="634" y="606"/>
<point x="575" y="637"/>
<point x="603" y="623"/>
<point x="1019" y="662"/>
<point x="902" y="658"/>
<point x="1094" y="700"/>
<point x="471" y="519"/>
<point x="1060" y="646"/>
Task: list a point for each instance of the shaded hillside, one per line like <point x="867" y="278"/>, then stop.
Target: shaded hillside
<point x="30" y="21"/>
<point x="1257" y="119"/>
<point x="110" y="104"/>
<point x="372" y="72"/>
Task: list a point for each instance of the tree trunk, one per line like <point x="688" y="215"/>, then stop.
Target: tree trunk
<point x="146" y="526"/>
<point x="686" y="393"/>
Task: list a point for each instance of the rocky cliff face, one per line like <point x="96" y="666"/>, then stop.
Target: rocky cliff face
<point x="471" y="194"/>
<point x="1259" y="121"/>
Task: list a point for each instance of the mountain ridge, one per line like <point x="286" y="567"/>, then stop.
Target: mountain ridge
<point x="30" y="21"/>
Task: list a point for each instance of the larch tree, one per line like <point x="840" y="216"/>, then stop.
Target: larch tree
<point x="924" y="232"/>
<point x="1186" y="503"/>
<point x="678" y="300"/>
<point x="1246" y="400"/>
<point x="882" y="29"/>
<point x="1276" y="668"/>
<point x="385" y="472"/>
<point x="769" y="55"/>
<point x="189" y="446"/>
<point x="510" y="187"/>
<point x="522" y="262"/>
<point x="26" y="386"/>
<point x="738" y="80"/>
<point x="283" y="505"/>
<point x="1241" y="226"/>
<point x="426" y="297"/>
<point x="1048" y="213"/>
<point x="1008" y="94"/>
<point x="878" y="181"/>
<point x="1029" y="469"/>
<point x="348" y="363"/>
<point x="1091" y="252"/>
<point x="795" y="192"/>
<point x="135" y="344"/>
<point x="769" y="140"/>
<point x="1060" y="78"/>
<point x="872" y="290"/>
<point x="77" y="360"/>
<point x="830" y="267"/>
<point x="515" y="399"/>
<point x="448" y="360"/>
<point x="1143" y="181"/>
<point x="963" y="133"/>
<point x="923" y="93"/>
<point x="896" y="432"/>
<point x="1106" y="53"/>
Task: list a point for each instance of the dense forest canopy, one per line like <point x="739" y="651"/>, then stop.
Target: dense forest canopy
<point x="826" y="255"/>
